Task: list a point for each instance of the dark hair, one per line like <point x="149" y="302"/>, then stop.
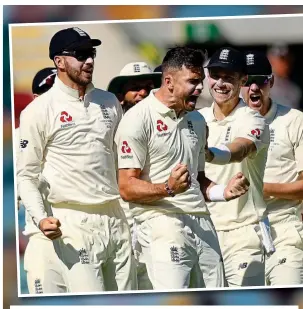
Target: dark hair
<point x="176" y="57"/>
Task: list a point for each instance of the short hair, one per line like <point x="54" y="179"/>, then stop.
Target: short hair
<point x="176" y="57"/>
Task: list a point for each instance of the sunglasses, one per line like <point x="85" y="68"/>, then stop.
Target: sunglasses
<point x="80" y="55"/>
<point x="259" y="80"/>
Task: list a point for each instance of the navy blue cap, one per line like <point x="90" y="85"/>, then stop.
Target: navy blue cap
<point x="228" y="58"/>
<point x="70" y="39"/>
<point x="257" y="63"/>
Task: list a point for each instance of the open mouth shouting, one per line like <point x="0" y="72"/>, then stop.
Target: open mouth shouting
<point x="255" y="99"/>
<point x="192" y="99"/>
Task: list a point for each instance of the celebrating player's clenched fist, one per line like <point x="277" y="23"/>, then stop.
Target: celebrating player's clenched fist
<point x="236" y="187"/>
<point x="179" y="180"/>
<point x="50" y="227"/>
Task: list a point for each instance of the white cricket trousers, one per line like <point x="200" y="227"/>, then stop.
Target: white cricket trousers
<point x="93" y="254"/>
<point x="142" y="276"/>
<point x="285" y="266"/>
<point x="181" y="251"/>
<point x="243" y="256"/>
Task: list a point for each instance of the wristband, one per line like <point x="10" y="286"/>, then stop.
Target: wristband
<point x="216" y="193"/>
<point x="221" y="154"/>
<point x="168" y="190"/>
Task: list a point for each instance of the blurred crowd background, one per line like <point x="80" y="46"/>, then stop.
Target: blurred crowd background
<point x="281" y="38"/>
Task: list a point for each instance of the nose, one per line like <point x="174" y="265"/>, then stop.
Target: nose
<point x="89" y="60"/>
<point x="200" y="86"/>
<point x="254" y="87"/>
<point x="220" y="82"/>
<point x="143" y="92"/>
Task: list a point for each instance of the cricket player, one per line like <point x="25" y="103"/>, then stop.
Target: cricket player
<point x="238" y="142"/>
<point x="134" y="84"/>
<point x="161" y="144"/>
<point x="283" y="179"/>
<point x="66" y="135"/>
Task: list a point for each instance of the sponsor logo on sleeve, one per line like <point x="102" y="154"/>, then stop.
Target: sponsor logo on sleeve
<point x="126" y="150"/>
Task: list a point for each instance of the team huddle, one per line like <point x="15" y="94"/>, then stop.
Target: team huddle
<point x="133" y="188"/>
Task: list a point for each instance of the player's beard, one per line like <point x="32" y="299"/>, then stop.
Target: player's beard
<point x="127" y="105"/>
<point x="75" y="76"/>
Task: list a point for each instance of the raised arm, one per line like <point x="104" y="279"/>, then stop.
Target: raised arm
<point x="253" y="135"/>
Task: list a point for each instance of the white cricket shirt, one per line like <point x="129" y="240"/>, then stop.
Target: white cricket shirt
<point x="285" y="156"/>
<point x="246" y="123"/>
<point x="152" y="138"/>
<point x="74" y="139"/>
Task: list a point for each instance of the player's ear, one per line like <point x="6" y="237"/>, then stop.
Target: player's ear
<point x="59" y="62"/>
<point x="272" y="81"/>
<point x="169" y="81"/>
<point x="244" y="80"/>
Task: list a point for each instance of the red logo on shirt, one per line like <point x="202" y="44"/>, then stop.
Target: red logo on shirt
<point x="125" y="148"/>
<point x="256" y="133"/>
<point x="161" y="126"/>
<point x="65" y="117"/>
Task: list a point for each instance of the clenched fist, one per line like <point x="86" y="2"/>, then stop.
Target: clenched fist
<point x="236" y="187"/>
<point x="50" y="227"/>
<point x="179" y="179"/>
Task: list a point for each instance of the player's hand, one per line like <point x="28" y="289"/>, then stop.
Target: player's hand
<point x="236" y="187"/>
<point x="50" y="227"/>
<point x="179" y="179"/>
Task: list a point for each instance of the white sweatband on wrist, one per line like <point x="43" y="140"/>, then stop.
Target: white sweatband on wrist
<point x="216" y="193"/>
<point x="221" y="153"/>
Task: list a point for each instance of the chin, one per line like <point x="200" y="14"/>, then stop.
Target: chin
<point x="190" y="108"/>
<point x="85" y="82"/>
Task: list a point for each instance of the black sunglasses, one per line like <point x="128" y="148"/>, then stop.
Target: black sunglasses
<point x="80" y="55"/>
<point x="259" y="80"/>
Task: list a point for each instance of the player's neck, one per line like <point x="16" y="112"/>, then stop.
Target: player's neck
<point x="223" y="110"/>
<point x="167" y="99"/>
<point x="266" y="107"/>
<point x="68" y="82"/>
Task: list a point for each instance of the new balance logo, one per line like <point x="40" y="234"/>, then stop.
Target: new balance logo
<point x="174" y="254"/>
<point x="161" y="126"/>
<point x="282" y="261"/>
<point x="84" y="258"/>
<point x="250" y="59"/>
<point x="38" y="287"/>
<point x="125" y="148"/>
<point x="23" y="143"/>
<point x="224" y="54"/>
